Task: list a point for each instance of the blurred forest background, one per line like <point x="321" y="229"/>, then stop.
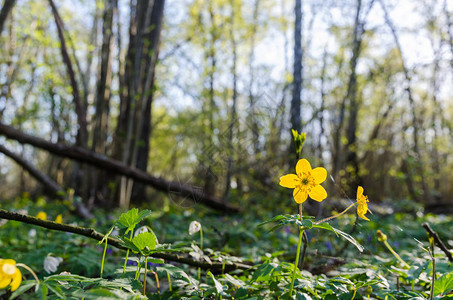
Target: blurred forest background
<point x="146" y="102"/>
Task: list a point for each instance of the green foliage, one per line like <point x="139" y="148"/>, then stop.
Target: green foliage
<point x="131" y="218"/>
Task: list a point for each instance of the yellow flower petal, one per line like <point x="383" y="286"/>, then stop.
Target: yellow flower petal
<point x="8" y="261"/>
<point x="4" y="282"/>
<point x="319" y="174"/>
<point x="318" y="193"/>
<point x="59" y="219"/>
<point x="363" y="217"/>
<point x="42" y="215"/>
<point x="359" y="193"/>
<point x="289" y="181"/>
<point x="303" y="166"/>
<point x="300" y="195"/>
<point x="362" y="209"/>
<point x="17" y="279"/>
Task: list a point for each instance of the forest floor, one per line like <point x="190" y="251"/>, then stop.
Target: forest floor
<point x="332" y="268"/>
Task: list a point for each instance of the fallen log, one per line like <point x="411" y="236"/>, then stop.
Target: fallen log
<point x="83" y="155"/>
<point x="49" y="184"/>
<point x="93" y="234"/>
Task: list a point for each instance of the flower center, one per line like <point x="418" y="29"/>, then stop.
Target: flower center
<point x="307" y="181"/>
<point x="9" y="269"/>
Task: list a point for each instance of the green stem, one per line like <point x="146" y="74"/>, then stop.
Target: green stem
<point x="127" y="255"/>
<point x="353" y="295"/>
<point x="103" y="257"/>
<point x="201" y="248"/>
<point x="169" y="281"/>
<point x="144" y="280"/>
<point x="296" y="262"/>
<point x="29" y="270"/>
<point x="396" y="255"/>
<point x="335" y="216"/>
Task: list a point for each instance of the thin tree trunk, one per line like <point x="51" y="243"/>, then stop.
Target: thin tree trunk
<point x="322" y="107"/>
<point x="143" y="132"/>
<point x="233" y="121"/>
<point x="412" y="104"/>
<point x="351" y="96"/>
<point x="6" y="9"/>
<point x="296" y="121"/>
<point x="252" y="100"/>
<point x="82" y="133"/>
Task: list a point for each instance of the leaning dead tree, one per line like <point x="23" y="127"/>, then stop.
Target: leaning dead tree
<point x="102" y="162"/>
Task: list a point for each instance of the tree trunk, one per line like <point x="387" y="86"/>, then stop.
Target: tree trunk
<point x="296" y="121"/>
<point x="6" y="9"/>
<point x="152" y="43"/>
<point x="412" y="105"/>
<point x="351" y="147"/>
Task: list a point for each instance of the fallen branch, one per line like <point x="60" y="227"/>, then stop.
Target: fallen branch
<point x="93" y="234"/>
<point x="49" y="184"/>
<point x="438" y="241"/>
<point x="100" y="161"/>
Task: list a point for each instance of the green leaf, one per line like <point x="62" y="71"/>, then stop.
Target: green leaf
<point x="346" y="236"/>
<point x="274" y="219"/>
<point x="130" y="219"/>
<point x="25" y="286"/>
<point x="264" y="271"/>
<point x="443" y="284"/>
<point x="176" y="273"/>
<point x="218" y="285"/>
<point x="145" y="241"/>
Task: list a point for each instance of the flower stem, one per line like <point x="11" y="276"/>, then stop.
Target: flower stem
<point x="103" y="257"/>
<point x="29" y="270"/>
<point x="157" y="282"/>
<point x="201" y="248"/>
<point x="353" y="295"/>
<point x="396" y="255"/>
<point x="296" y="262"/>
<point x="335" y="216"/>
<point x="144" y="280"/>
<point x="169" y="281"/>
<point x="127" y="255"/>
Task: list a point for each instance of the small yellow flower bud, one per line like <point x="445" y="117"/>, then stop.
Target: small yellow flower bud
<point x="381" y="236"/>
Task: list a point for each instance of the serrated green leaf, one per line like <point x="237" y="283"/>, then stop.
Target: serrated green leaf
<point x="443" y="284"/>
<point x="131" y="218"/>
<point x="145" y="241"/>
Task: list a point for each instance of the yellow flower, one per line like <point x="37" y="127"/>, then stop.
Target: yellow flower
<point x="362" y="207"/>
<point x="42" y="215"/>
<point x="306" y="182"/>
<point x="9" y="274"/>
<point x="59" y="219"/>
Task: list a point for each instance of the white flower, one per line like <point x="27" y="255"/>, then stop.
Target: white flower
<point x="3" y="222"/>
<point x="140" y="230"/>
<point x="194" y="227"/>
<point x="32" y="233"/>
<point x="51" y="263"/>
<point x="22" y="211"/>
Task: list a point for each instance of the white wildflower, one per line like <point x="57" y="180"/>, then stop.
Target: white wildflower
<point x="51" y="263"/>
<point x="32" y="233"/>
<point x="141" y="230"/>
<point x="194" y="227"/>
